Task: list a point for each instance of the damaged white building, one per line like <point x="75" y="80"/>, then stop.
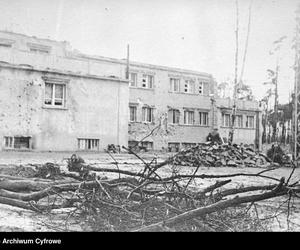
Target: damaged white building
<point x="54" y="98"/>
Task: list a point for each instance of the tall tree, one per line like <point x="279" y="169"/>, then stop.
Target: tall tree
<point x="235" y="73"/>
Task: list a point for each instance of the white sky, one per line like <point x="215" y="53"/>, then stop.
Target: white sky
<point x="191" y="34"/>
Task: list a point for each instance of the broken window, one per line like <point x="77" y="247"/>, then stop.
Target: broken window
<point x="189" y="117"/>
<point x="17" y="142"/>
<point x="132" y="113"/>
<point x="148" y="81"/>
<point x="226" y="120"/>
<point x="147" y="114"/>
<point x="173" y="116"/>
<point x="133" y="79"/>
<point x="203" y="118"/>
<point x="55" y="94"/>
<point x="250" y="122"/>
<point x="189" y="86"/>
<point x="174" y="85"/>
<point x="88" y="144"/>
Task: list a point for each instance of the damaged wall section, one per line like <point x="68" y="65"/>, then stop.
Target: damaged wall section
<point x="47" y="110"/>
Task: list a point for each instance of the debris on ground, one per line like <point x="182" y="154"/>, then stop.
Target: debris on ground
<point x="276" y="154"/>
<point x="146" y="200"/>
<point x="112" y="148"/>
<point x="213" y="155"/>
<point x="19" y="170"/>
<point x="48" y="171"/>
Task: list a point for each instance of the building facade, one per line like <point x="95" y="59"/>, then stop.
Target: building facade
<point x="49" y="102"/>
<point x="55" y="98"/>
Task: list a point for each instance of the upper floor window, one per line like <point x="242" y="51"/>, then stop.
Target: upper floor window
<point x="148" y="81"/>
<point x="226" y="120"/>
<point x="250" y="122"/>
<point x="147" y="114"/>
<point x="133" y="79"/>
<point x="203" y="118"/>
<point x="6" y="43"/>
<point x="189" y="117"/>
<point x="132" y="113"/>
<point x="174" y="85"/>
<point x="189" y="86"/>
<point x="55" y="94"/>
<point x="39" y="48"/>
<point x="200" y="88"/>
<point x="173" y="116"/>
<point x="55" y="91"/>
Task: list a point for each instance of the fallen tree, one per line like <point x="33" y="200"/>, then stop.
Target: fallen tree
<point x="143" y="200"/>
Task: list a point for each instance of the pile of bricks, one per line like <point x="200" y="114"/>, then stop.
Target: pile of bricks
<point x="210" y="155"/>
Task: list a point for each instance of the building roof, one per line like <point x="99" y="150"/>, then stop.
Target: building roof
<point x="75" y="54"/>
<point x="60" y="72"/>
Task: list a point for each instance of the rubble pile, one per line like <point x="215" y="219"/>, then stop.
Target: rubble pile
<point x="48" y="171"/>
<point x="211" y="155"/>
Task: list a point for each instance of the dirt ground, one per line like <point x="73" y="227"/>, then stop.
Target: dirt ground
<point x="15" y="219"/>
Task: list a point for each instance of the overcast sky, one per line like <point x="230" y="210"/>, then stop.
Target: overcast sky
<point x="190" y="34"/>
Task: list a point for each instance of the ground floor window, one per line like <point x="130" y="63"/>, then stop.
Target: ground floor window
<point x="147" y="114"/>
<point x="140" y="146"/>
<point x="203" y="118"/>
<point x="239" y="121"/>
<point x="17" y="142"/>
<point x="88" y="144"/>
<point x="187" y="145"/>
<point x="132" y="144"/>
<point x="132" y="113"/>
<point x="226" y="120"/>
<point x="189" y="117"/>
<point x="173" y="146"/>
<point x="147" y="145"/>
<point x="173" y="116"/>
<point x="250" y="122"/>
<point x="8" y="142"/>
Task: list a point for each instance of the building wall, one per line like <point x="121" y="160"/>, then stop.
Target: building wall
<point x="93" y="102"/>
<point x="161" y="98"/>
<point x="244" y="134"/>
<point x="95" y="108"/>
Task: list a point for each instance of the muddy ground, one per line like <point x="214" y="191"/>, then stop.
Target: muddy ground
<point x="15" y="219"/>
